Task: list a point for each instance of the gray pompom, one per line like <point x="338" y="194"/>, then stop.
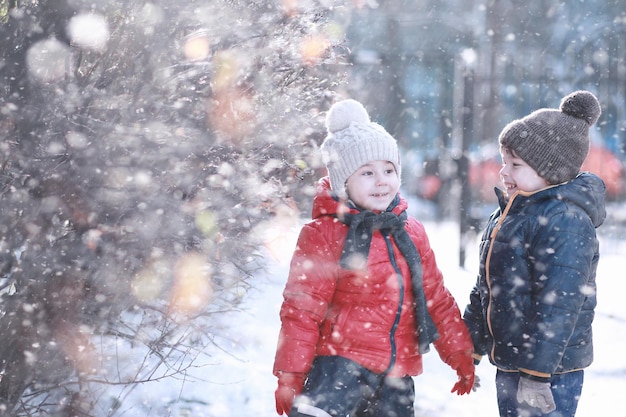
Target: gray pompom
<point x="582" y="105"/>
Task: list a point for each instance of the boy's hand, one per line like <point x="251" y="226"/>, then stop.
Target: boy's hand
<point x="289" y="385"/>
<point x="536" y="394"/>
<point x="463" y="364"/>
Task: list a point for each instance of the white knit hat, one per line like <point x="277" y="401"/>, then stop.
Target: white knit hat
<point x="353" y="141"/>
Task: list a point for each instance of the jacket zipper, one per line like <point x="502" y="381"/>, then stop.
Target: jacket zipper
<point x="492" y="236"/>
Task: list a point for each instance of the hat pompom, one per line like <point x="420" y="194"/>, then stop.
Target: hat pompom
<point x="582" y="105"/>
<point x="342" y="113"/>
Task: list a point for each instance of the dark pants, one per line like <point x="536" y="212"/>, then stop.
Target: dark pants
<point x="338" y="387"/>
<point x="566" y="389"/>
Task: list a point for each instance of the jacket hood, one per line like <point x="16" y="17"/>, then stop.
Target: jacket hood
<point x="326" y="202"/>
<point x="587" y="191"/>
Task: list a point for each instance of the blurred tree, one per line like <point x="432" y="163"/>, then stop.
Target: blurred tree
<point x="141" y="142"/>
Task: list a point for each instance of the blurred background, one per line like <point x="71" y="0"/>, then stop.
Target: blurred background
<point x="446" y="76"/>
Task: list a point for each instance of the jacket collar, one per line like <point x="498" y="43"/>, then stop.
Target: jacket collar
<point x="587" y="191"/>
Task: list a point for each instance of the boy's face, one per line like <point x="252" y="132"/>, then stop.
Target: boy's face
<point x="373" y="186"/>
<point x="517" y="175"/>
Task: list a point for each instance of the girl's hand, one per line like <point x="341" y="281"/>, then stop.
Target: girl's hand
<point x="289" y="385"/>
<point x="463" y="364"/>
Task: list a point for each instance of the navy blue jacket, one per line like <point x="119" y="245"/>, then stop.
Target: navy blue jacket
<point x="533" y="303"/>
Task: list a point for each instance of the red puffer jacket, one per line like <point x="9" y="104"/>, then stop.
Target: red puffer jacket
<point x="366" y="316"/>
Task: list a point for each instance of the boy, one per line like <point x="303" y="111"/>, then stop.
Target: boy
<point x="533" y="304"/>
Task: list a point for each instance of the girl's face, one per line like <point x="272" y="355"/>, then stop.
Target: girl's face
<point x="517" y="175"/>
<point x="373" y="186"/>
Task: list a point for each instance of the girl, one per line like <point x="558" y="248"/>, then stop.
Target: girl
<point x="364" y="298"/>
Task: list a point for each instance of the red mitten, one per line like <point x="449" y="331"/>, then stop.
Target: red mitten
<point x="463" y="364"/>
<point x="289" y="385"/>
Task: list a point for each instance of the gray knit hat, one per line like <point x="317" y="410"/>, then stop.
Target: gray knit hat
<point x="353" y="141"/>
<point x="554" y="142"/>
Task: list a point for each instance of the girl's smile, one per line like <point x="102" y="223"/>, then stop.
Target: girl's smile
<point x="373" y="186"/>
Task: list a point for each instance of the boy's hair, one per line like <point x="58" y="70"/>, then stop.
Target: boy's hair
<point x="554" y="142"/>
<point x="353" y="141"/>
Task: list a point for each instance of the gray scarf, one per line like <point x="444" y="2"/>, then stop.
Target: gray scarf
<point x="358" y="241"/>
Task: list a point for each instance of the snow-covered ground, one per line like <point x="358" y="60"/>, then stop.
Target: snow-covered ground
<point x="239" y="381"/>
